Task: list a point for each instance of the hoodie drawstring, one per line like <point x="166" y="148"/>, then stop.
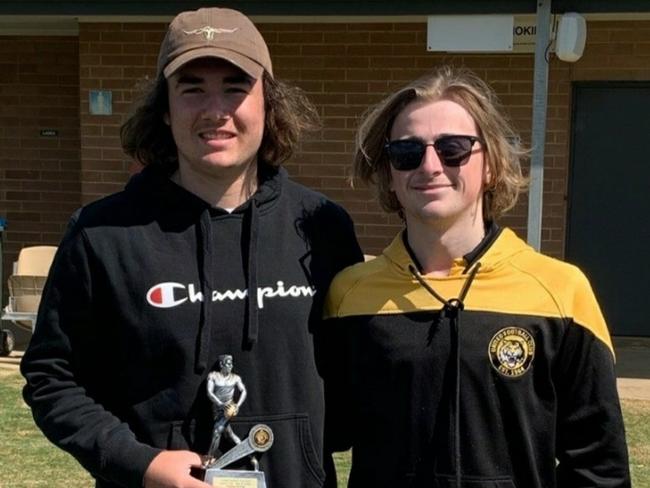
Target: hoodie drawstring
<point x="452" y="309"/>
<point x="204" y="244"/>
<point x="252" y="325"/>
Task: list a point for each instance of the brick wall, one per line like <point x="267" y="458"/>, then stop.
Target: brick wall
<point x="347" y="67"/>
<point x="115" y="57"/>
<point x="45" y="83"/>
<point x="39" y="176"/>
<point x="344" y="68"/>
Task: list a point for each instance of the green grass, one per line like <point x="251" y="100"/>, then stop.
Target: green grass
<point x="342" y="461"/>
<point x="28" y="460"/>
<point x="637" y="427"/>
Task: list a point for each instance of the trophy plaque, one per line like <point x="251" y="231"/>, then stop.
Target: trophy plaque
<point x="260" y="439"/>
<point x="221" y="388"/>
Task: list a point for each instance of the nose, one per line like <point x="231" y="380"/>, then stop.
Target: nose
<point x="215" y="107"/>
<point x="431" y="162"/>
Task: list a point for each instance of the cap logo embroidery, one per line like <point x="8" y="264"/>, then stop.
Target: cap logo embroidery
<point x="210" y="31"/>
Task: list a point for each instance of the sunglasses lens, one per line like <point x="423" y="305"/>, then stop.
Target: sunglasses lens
<point x="405" y="155"/>
<point x="453" y="150"/>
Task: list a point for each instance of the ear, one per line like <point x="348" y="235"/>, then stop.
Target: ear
<point x="487" y="174"/>
<point x="166" y="119"/>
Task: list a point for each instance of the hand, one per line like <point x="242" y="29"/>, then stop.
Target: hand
<point x="171" y="469"/>
<point x="230" y="410"/>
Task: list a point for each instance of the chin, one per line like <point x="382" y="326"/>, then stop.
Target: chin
<point x="435" y="211"/>
<point x="223" y="161"/>
<point x="220" y="163"/>
<point x="435" y="215"/>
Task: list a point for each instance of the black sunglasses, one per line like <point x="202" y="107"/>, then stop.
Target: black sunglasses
<point x="407" y="154"/>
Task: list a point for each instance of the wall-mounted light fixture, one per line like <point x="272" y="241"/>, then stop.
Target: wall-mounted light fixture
<point x="571" y="37"/>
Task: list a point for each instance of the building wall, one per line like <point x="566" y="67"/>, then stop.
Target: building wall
<point x="119" y="58"/>
<point x="39" y="176"/>
<point x="343" y="67"/>
<point x="45" y="82"/>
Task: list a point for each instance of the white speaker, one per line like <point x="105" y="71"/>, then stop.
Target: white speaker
<point x="571" y="37"/>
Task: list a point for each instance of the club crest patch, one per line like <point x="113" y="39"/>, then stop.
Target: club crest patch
<point x="511" y="351"/>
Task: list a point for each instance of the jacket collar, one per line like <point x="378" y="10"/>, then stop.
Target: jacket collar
<point x="498" y="245"/>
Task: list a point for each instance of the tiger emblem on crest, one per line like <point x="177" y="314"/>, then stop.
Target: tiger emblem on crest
<point x="511" y="351"/>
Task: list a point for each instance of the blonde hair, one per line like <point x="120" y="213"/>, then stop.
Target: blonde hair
<point x="503" y="150"/>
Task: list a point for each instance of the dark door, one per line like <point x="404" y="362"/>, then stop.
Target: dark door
<point x="608" y="225"/>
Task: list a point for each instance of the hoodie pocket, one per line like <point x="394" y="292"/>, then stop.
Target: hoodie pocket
<point x="475" y="482"/>
<point x="150" y="419"/>
<point x="293" y="461"/>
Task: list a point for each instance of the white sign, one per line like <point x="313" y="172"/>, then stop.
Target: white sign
<point x="483" y="33"/>
<point x="470" y="33"/>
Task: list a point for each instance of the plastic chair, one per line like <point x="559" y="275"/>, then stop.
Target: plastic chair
<point x="26" y="285"/>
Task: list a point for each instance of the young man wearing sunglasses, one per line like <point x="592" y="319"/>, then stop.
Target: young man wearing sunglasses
<point x="463" y="356"/>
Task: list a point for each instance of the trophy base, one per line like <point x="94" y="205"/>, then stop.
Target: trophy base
<point x="233" y="478"/>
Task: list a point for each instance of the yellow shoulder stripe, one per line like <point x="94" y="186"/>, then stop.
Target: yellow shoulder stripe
<point x="528" y="283"/>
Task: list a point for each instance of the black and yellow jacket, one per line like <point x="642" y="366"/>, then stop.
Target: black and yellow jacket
<point x="500" y="375"/>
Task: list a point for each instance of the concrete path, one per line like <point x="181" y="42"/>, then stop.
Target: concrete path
<point x="633" y="389"/>
<point x="633" y="367"/>
<point x="12" y="361"/>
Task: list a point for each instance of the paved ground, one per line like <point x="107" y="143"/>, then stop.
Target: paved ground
<point x="12" y="361"/>
<point x="632" y="366"/>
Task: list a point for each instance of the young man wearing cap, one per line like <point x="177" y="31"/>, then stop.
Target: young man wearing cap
<point x="210" y="250"/>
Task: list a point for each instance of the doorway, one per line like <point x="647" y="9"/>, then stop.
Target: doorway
<point x="608" y="224"/>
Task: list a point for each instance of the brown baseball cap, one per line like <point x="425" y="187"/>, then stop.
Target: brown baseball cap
<point x="218" y="33"/>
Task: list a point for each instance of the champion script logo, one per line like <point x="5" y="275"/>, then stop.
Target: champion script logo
<point x="170" y="294"/>
<point x="210" y="31"/>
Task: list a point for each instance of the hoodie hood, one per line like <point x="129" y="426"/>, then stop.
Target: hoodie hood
<point x="388" y="285"/>
<point x="496" y="249"/>
<point x="154" y="184"/>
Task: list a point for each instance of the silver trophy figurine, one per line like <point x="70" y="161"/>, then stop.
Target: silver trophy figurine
<point x="221" y="388"/>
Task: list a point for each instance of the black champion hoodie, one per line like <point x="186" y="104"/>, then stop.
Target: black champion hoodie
<point x="148" y="288"/>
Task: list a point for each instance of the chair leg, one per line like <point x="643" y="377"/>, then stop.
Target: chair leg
<point x="7" y="342"/>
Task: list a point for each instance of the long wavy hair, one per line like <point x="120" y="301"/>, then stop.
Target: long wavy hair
<point x="288" y="112"/>
<point x="503" y="150"/>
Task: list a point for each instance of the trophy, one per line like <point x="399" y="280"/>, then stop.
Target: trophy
<point x="221" y="388"/>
